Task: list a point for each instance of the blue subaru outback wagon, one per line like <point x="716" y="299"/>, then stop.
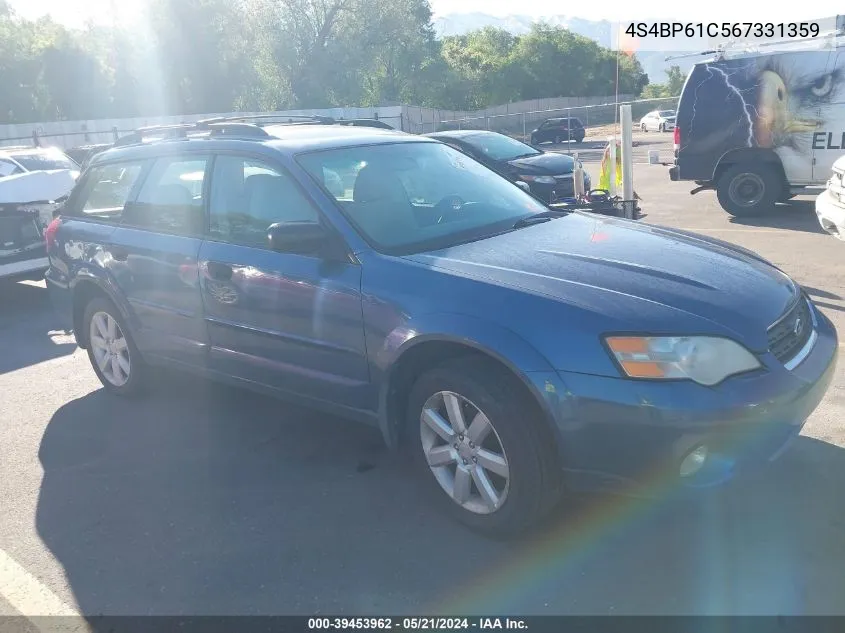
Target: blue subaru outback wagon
<point x="515" y="351"/>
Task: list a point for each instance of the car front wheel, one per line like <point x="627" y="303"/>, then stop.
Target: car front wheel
<point x="477" y="442"/>
<point x="111" y="350"/>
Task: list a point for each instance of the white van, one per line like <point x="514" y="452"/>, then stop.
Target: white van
<point x="760" y="128"/>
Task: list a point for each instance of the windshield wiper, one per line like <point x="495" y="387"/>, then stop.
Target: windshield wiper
<point x="538" y="218"/>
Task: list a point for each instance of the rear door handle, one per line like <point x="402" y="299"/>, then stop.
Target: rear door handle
<point x="218" y="271"/>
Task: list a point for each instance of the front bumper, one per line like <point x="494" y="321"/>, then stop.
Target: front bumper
<point x="631" y="436"/>
<point x="563" y="188"/>
<point x="831" y="214"/>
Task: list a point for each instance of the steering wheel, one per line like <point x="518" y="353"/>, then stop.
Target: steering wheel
<point x="449" y="205"/>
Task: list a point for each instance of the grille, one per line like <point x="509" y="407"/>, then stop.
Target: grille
<point x="791" y="332"/>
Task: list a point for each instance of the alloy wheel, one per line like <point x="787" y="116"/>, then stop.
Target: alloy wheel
<point x="464" y="452"/>
<point x="110" y="349"/>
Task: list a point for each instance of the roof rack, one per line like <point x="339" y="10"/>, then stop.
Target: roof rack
<point x="236" y="126"/>
<point x="212" y="127"/>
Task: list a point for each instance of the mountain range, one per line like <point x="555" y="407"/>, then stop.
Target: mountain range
<point x="653" y="62"/>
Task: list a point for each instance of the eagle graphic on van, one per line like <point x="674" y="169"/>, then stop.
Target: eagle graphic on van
<point x="760" y="128"/>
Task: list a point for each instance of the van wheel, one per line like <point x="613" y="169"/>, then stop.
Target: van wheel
<point x="111" y="350"/>
<point x="476" y="442"/>
<point x="748" y="189"/>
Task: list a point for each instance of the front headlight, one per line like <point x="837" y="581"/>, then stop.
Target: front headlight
<point x="703" y="359"/>
<point x="540" y="180"/>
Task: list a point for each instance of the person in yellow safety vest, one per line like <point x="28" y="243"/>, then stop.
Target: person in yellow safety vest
<point x="604" y="178"/>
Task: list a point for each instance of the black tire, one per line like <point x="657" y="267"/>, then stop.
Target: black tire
<point x="662" y="127"/>
<point x="643" y="127"/>
<point x="534" y="140"/>
<point x="748" y="189"/>
<point x="535" y="480"/>
<point x="136" y="382"/>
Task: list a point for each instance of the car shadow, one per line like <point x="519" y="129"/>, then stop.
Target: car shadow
<point x="30" y="330"/>
<point x="201" y="499"/>
<point x="795" y="215"/>
<point x="824" y="294"/>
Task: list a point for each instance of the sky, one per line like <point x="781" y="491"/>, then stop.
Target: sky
<point x="75" y="12"/>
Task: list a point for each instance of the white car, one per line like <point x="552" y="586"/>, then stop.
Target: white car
<point x="658" y="121"/>
<point x="21" y="160"/>
<point x="830" y="205"/>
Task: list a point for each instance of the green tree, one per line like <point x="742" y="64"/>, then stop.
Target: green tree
<point x="672" y="88"/>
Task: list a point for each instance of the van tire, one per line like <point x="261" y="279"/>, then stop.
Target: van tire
<point x="749" y="189"/>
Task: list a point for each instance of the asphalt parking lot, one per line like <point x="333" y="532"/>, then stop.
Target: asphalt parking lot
<point x="205" y="500"/>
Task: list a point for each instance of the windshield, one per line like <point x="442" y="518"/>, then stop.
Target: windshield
<point x="667" y="113"/>
<point x="45" y="161"/>
<point x="411" y="197"/>
<point x="500" y="147"/>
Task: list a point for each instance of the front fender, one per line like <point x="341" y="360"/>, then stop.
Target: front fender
<point x="500" y="343"/>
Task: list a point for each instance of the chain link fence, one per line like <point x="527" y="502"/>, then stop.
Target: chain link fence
<point x="520" y="125"/>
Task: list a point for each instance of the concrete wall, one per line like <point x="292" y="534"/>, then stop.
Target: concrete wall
<point x="67" y="134"/>
<point x="510" y="117"/>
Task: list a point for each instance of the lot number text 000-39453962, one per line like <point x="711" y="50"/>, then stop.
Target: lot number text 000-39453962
<point x="783" y="30"/>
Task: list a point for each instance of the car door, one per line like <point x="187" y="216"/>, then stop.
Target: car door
<point x="152" y="255"/>
<point x="288" y="321"/>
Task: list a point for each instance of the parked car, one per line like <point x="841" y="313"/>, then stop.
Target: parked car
<point x="770" y="132"/>
<point x="830" y="204"/>
<point x="23" y="159"/>
<point x="548" y="174"/>
<point x="513" y="351"/>
<point x="82" y="154"/>
<point x="559" y="131"/>
<point x="658" y="121"/>
<point x="33" y="183"/>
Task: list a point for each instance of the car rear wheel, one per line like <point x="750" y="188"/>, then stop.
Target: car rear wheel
<point x="476" y="441"/>
<point x="643" y="127"/>
<point x="111" y="350"/>
<point x="748" y="189"/>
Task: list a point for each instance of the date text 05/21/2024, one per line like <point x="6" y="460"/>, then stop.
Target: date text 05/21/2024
<point x="782" y="30"/>
<point x="416" y="624"/>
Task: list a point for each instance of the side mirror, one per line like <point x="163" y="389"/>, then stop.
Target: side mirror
<point x="302" y="238"/>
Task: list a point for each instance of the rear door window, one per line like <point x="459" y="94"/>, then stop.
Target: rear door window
<point x="171" y="199"/>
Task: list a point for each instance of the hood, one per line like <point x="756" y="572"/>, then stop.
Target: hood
<point x="37" y="186"/>
<point x="547" y="163"/>
<point x="632" y="276"/>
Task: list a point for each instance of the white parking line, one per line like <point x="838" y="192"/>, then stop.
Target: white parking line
<point x="28" y="595"/>
<point x="701" y="229"/>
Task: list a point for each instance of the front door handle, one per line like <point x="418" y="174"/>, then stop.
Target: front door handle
<point x="218" y="271"/>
